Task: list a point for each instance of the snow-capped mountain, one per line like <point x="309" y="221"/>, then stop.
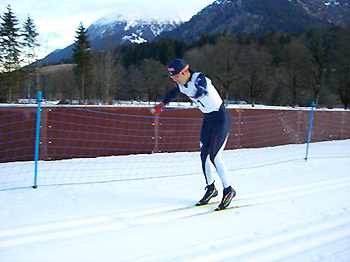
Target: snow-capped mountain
<point x="113" y="30"/>
<point x="122" y="29"/>
<point x="290" y="16"/>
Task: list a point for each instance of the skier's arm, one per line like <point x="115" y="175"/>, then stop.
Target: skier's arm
<point x="201" y="85"/>
<point x="168" y="97"/>
<point x="171" y="94"/>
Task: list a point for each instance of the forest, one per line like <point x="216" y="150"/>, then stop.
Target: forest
<point x="270" y="68"/>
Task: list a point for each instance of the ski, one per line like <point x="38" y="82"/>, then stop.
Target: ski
<point x="223" y="209"/>
<point x="216" y="210"/>
<point x="190" y="207"/>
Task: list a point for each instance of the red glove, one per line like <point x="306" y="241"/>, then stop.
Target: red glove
<point x="158" y="109"/>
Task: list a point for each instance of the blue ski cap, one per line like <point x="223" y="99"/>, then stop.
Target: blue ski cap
<point x="176" y="66"/>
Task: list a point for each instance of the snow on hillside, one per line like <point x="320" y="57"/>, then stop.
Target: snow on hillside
<point x="292" y="211"/>
<point x="134" y="17"/>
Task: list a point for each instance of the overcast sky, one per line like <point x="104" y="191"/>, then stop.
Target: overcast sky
<point x="57" y="20"/>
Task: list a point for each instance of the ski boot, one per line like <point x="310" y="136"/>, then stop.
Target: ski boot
<point x="229" y="193"/>
<point x="211" y="192"/>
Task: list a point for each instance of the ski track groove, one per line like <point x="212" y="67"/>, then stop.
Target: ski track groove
<point x="78" y="227"/>
<point x="279" y="246"/>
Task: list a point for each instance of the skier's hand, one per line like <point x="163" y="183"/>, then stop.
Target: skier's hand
<point x="200" y="91"/>
<point x="158" y="109"/>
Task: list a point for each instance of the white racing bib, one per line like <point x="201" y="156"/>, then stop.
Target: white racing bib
<point x="206" y="103"/>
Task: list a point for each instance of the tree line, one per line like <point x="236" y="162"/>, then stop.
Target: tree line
<point x="272" y="68"/>
<point x="17" y="48"/>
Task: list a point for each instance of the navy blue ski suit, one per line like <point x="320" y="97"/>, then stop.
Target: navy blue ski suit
<point x="215" y="127"/>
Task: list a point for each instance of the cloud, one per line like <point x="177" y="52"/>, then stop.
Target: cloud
<point x="57" y="21"/>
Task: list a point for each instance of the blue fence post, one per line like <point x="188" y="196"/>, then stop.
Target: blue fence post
<point x="37" y="139"/>
<point x="310" y="129"/>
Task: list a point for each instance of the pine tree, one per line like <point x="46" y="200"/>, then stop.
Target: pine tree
<point x="10" y="49"/>
<point x="30" y="40"/>
<point x="81" y="59"/>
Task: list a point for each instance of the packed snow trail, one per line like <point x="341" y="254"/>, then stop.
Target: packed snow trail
<point x="295" y="211"/>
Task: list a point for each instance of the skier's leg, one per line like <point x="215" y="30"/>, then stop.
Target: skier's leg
<point x="220" y="165"/>
<point x="218" y="143"/>
<point x="211" y="191"/>
<point x="205" y="144"/>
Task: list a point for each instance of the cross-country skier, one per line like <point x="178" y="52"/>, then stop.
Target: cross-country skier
<point x="215" y="127"/>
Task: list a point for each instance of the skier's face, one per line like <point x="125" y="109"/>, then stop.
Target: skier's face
<point x="181" y="78"/>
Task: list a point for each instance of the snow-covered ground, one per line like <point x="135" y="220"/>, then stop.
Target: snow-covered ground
<point x="291" y="211"/>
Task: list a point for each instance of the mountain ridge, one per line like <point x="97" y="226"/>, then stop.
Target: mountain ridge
<point x="245" y="16"/>
<point x="289" y="16"/>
